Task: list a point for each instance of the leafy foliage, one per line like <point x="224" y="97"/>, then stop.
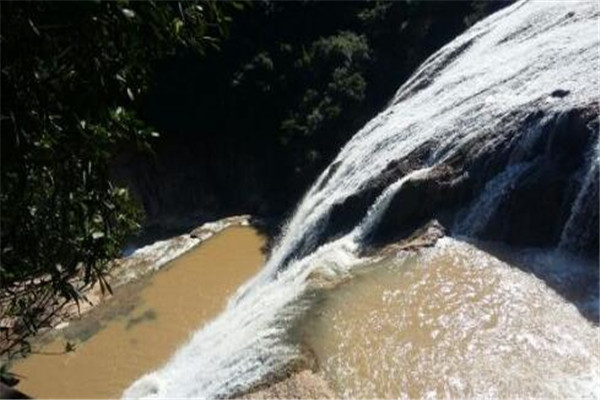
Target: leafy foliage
<point x="86" y="82"/>
<point x="72" y="76"/>
<point x="291" y="85"/>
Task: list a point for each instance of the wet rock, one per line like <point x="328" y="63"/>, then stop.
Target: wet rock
<point x="534" y="210"/>
<point x="560" y="93"/>
<point x="347" y="214"/>
<point x="301" y="385"/>
<point x="425" y="236"/>
<point x="7" y="392"/>
<point x="432" y="197"/>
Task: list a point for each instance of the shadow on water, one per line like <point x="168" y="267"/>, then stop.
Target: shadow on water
<point x="574" y="278"/>
<point x="141" y="326"/>
<point x="269" y="228"/>
<point x="148" y="315"/>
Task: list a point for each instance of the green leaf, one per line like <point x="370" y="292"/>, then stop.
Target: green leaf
<point x="177" y="25"/>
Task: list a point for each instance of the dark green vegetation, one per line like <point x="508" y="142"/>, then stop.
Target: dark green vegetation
<point x="72" y="74"/>
<point x="247" y="129"/>
<point x="245" y="123"/>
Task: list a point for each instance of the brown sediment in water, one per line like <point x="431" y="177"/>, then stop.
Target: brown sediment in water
<point x="143" y="261"/>
<point x="305" y="379"/>
<point x="143" y="324"/>
<point x="300" y="379"/>
<point x="304" y="384"/>
<point x="451" y="321"/>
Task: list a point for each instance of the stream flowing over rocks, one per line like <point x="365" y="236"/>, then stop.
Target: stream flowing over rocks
<point x="495" y="136"/>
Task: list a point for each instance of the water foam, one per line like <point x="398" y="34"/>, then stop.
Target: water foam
<point x="486" y="81"/>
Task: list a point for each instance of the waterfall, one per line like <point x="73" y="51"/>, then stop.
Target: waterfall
<point x="376" y="211"/>
<point x="579" y="227"/>
<point x="482" y="209"/>
<point x="471" y="99"/>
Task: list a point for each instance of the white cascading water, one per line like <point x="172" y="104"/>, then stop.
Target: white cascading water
<point x="484" y="82"/>
<point x="575" y="227"/>
<point x="484" y="207"/>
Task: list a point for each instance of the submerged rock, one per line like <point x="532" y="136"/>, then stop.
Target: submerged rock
<point x="301" y="385"/>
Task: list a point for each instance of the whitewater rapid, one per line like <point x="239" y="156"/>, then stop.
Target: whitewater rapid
<point x="487" y="80"/>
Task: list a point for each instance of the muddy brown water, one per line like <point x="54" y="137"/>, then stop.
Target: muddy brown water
<point x="453" y="322"/>
<point x="144" y="323"/>
<point x="449" y="322"/>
